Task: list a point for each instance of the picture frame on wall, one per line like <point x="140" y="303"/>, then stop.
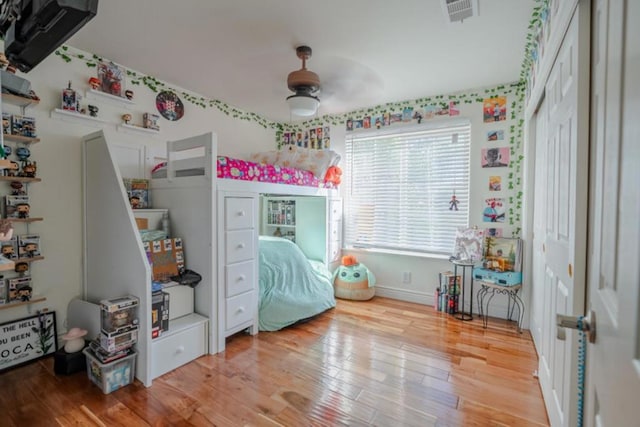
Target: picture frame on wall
<point x="27" y="340"/>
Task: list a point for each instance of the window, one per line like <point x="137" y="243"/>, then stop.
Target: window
<point x="400" y="186"/>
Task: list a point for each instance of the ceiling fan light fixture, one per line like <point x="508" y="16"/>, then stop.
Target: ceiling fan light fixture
<point x="305" y="84"/>
<point x="302" y="104"/>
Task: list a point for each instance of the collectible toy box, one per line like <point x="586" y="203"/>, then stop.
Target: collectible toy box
<point x="118" y="314"/>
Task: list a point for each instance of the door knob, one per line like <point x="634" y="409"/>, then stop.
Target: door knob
<point x="582" y="323"/>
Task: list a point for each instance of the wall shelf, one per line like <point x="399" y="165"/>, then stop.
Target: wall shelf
<point x="34" y="299"/>
<point x="20" y="101"/>
<point x="136" y="129"/>
<point x="97" y="95"/>
<point x="20" y="138"/>
<point x="29" y="259"/>
<point x="19" y="179"/>
<point x="7" y="264"/>
<point x="77" y="118"/>
<point x="25" y="219"/>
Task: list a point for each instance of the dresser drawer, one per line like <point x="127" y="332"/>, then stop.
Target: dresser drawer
<point x="239" y="278"/>
<point x="238" y="212"/>
<point x="239" y="246"/>
<point x="334" y="250"/>
<point x="171" y="351"/>
<point x="335" y="230"/>
<point x="335" y="210"/>
<point x="241" y="309"/>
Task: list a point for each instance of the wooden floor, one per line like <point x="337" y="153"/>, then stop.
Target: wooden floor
<point x="381" y="362"/>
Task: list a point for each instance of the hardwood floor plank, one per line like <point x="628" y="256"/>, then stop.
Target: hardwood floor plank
<point x="379" y="362"/>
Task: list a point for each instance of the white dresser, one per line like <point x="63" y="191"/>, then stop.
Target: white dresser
<point x="237" y="264"/>
<point x="334" y="240"/>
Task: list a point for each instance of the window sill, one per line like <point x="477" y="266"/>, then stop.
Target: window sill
<point x="396" y="252"/>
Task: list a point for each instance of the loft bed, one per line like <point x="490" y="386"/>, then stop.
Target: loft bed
<point x="195" y="157"/>
<point x="194" y="192"/>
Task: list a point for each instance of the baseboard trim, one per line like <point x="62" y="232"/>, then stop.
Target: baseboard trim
<point x="495" y="309"/>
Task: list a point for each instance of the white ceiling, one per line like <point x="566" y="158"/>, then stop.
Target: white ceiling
<point x="366" y="52"/>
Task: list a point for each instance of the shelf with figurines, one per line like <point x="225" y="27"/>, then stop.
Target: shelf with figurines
<point x="20" y="101"/>
<point x="149" y="124"/>
<point x="19" y="179"/>
<point x="20" y="138"/>
<point x="33" y="300"/>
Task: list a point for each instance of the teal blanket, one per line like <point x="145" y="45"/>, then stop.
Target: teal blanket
<point x="291" y="287"/>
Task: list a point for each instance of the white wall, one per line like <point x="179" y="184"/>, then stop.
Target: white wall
<point x="58" y="198"/>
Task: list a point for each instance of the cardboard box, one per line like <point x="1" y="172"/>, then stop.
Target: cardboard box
<point x="166" y="257"/>
<point x="159" y="313"/>
<point x="110" y="376"/>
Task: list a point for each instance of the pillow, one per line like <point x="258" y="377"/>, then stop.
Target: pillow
<point x="287" y="156"/>
<point x="315" y="161"/>
<point x="265" y="157"/>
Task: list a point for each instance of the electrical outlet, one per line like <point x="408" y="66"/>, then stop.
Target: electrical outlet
<point x="406" y="277"/>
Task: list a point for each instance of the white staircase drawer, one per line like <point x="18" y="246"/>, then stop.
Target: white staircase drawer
<point x="174" y="350"/>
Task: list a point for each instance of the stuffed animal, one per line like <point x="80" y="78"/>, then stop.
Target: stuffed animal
<point x="353" y="280"/>
<point x="333" y="174"/>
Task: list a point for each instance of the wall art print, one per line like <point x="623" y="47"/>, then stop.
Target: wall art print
<point x="493" y="232"/>
<point x="407" y="115"/>
<point x="28" y="339"/>
<point x="468" y="246"/>
<point x="494" y="210"/>
<point x="497" y="157"/>
<point x="495" y="135"/>
<point x="495" y="183"/>
<point x="315" y="138"/>
<point x="495" y="109"/>
<point x="169" y="105"/>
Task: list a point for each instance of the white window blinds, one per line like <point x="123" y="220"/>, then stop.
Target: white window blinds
<point x="399" y="189"/>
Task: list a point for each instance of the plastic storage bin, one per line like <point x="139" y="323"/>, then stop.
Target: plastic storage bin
<point x="113" y="375"/>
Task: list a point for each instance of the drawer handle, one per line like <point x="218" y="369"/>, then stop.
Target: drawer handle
<point x="240" y="310"/>
<point x="180" y="349"/>
<point x="241" y="278"/>
<point x="241" y="213"/>
<point x="240" y="245"/>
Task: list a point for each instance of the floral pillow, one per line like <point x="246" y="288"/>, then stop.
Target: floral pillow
<point x="265" y="157"/>
<point x="315" y="161"/>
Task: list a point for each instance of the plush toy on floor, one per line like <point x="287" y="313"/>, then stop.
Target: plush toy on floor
<point x="353" y="280"/>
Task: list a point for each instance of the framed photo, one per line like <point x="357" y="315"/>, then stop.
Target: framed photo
<point x="28" y="339"/>
<point x="112" y="78"/>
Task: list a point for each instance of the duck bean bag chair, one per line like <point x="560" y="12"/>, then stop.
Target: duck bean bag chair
<point x="353" y="280"/>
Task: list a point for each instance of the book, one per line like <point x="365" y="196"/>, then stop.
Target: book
<point x="138" y="192"/>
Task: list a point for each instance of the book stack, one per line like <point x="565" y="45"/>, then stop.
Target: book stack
<point x="448" y="292"/>
<point x="118" y="329"/>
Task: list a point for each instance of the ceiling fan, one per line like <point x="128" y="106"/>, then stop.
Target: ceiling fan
<point x="305" y="84"/>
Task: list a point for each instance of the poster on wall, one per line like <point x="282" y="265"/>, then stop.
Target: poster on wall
<point x="316" y="138"/>
<point x="28" y="339"/>
<point x="497" y="157"/>
<point x="493" y="232"/>
<point x="495" y="183"/>
<point x="494" y="210"/>
<point x="495" y="135"/>
<point x="495" y="109"/>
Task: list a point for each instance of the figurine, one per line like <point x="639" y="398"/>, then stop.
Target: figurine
<point x="70" y="99"/>
<point x="31" y="249"/>
<point x="126" y="118"/>
<point x="23" y="153"/>
<point x="453" y="204"/>
<point x="21" y="267"/>
<point x="94" y="82"/>
<point x="129" y="94"/>
<point x="93" y="110"/>
<point x="13" y="167"/>
<point x="23" y="210"/>
<point x="24" y="293"/>
<point x="7" y="250"/>
<point x="17" y="189"/>
<point x="28" y="169"/>
<point x="3" y="60"/>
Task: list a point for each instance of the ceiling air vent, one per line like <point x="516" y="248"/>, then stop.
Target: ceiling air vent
<point x="457" y="10"/>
